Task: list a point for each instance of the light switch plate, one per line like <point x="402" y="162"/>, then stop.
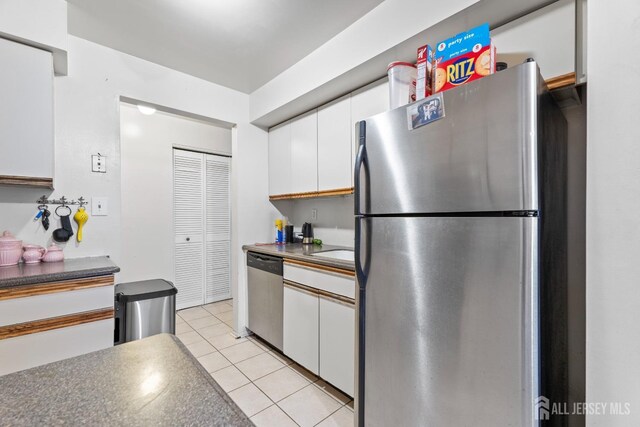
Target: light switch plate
<point x="99" y="206"/>
<point x="98" y="163"/>
<point x="314" y="214"/>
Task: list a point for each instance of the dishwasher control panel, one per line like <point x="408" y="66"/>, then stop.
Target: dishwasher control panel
<point x="271" y="264"/>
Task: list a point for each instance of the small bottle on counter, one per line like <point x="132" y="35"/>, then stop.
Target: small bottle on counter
<point x="279" y="236"/>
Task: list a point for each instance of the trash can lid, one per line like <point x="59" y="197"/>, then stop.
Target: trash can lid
<point x="144" y="289"/>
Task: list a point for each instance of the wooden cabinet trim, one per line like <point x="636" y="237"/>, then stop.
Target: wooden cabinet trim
<point x="303" y="288"/>
<point x="33" y="327"/>
<point x="562" y="81"/>
<point x="318" y="292"/>
<point x="54" y="287"/>
<point x="28" y="181"/>
<point x="320" y="267"/>
<point x="338" y="299"/>
<point x="311" y="194"/>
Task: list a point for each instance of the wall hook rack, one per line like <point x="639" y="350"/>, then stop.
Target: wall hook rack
<point x="63" y="201"/>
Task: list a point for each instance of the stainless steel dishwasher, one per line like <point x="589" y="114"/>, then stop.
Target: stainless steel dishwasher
<point x="265" y="297"/>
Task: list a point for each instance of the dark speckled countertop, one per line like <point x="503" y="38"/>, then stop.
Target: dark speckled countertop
<point x="151" y="382"/>
<point x="43" y="272"/>
<point x="304" y="253"/>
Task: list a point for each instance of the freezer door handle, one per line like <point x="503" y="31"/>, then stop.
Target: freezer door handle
<point x="361" y="247"/>
<point x="360" y="159"/>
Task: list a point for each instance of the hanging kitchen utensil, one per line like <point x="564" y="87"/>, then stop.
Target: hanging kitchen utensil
<point x="63" y="234"/>
<point x="43" y="215"/>
<point x="40" y="211"/>
<point x="81" y="217"/>
<point x="45" y="218"/>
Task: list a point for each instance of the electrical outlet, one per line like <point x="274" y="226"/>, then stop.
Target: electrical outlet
<point x="99" y="206"/>
<point x="99" y="163"/>
<point x="314" y="214"/>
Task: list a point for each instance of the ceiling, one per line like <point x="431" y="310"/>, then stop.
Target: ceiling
<point x="241" y="44"/>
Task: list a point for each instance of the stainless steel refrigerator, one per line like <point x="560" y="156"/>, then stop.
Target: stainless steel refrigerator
<point x="461" y="257"/>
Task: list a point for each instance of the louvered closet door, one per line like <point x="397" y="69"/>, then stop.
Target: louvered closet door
<point x="218" y="228"/>
<point x="188" y="207"/>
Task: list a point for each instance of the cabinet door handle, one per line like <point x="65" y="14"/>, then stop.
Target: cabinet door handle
<point x="188" y="239"/>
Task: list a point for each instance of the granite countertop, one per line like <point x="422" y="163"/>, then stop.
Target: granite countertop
<point x="303" y="253"/>
<point x="154" y="381"/>
<point x="42" y="272"/>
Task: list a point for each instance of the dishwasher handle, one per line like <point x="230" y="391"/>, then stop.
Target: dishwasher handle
<point x="268" y="263"/>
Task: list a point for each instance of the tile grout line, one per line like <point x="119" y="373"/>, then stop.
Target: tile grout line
<point x="269" y="351"/>
<point x="322" y="420"/>
<point x="283" y="411"/>
<point x="290" y="394"/>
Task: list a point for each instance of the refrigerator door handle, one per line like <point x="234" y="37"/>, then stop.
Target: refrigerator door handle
<point x="360" y="159"/>
<point x="362" y="270"/>
<point x="358" y="265"/>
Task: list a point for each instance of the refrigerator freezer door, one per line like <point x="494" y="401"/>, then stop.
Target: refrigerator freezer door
<point x="481" y="156"/>
<point x="450" y="321"/>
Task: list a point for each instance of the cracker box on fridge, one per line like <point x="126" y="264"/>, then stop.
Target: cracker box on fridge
<point x="424" y="79"/>
<point x="464" y="58"/>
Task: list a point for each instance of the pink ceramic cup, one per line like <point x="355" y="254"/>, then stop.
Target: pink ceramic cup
<point x="33" y="254"/>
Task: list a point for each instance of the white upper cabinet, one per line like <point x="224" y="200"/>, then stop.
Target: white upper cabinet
<point x="26" y="115"/>
<point x="280" y="160"/>
<point x="304" y="153"/>
<point x="315" y="152"/>
<point x="366" y="102"/>
<point x="334" y="145"/>
<point x="547" y="35"/>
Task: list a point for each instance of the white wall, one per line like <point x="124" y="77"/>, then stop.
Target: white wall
<point x="389" y="24"/>
<point x="335" y="219"/>
<point x="613" y="203"/>
<point x="87" y="122"/>
<point x="40" y="21"/>
<point x="146" y="145"/>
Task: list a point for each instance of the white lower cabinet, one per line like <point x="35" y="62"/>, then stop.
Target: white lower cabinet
<point x="51" y="321"/>
<point x="319" y="322"/>
<point x="300" y="327"/>
<point x="29" y="351"/>
<point x="337" y="343"/>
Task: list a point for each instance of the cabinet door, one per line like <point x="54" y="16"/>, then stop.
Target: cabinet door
<point x="217" y="228"/>
<point x="26" y="111"/>
<point x="188" y="216"/>
<point x="337" y="343"/>
<point x="300" y="323"/>
<point x="366" y="102"/>
<point x="280" y="160"/>
<point x="334" y="145"/>
<point x="29" y="351"/>
<point x="304" y="153"/>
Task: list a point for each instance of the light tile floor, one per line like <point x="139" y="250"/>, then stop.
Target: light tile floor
<point x="271" y="389"/>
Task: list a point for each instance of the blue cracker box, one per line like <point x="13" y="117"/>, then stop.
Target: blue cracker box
<point x="463" y="58"/>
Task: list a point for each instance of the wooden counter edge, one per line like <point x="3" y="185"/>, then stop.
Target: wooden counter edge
<point x="54" y="287"/>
